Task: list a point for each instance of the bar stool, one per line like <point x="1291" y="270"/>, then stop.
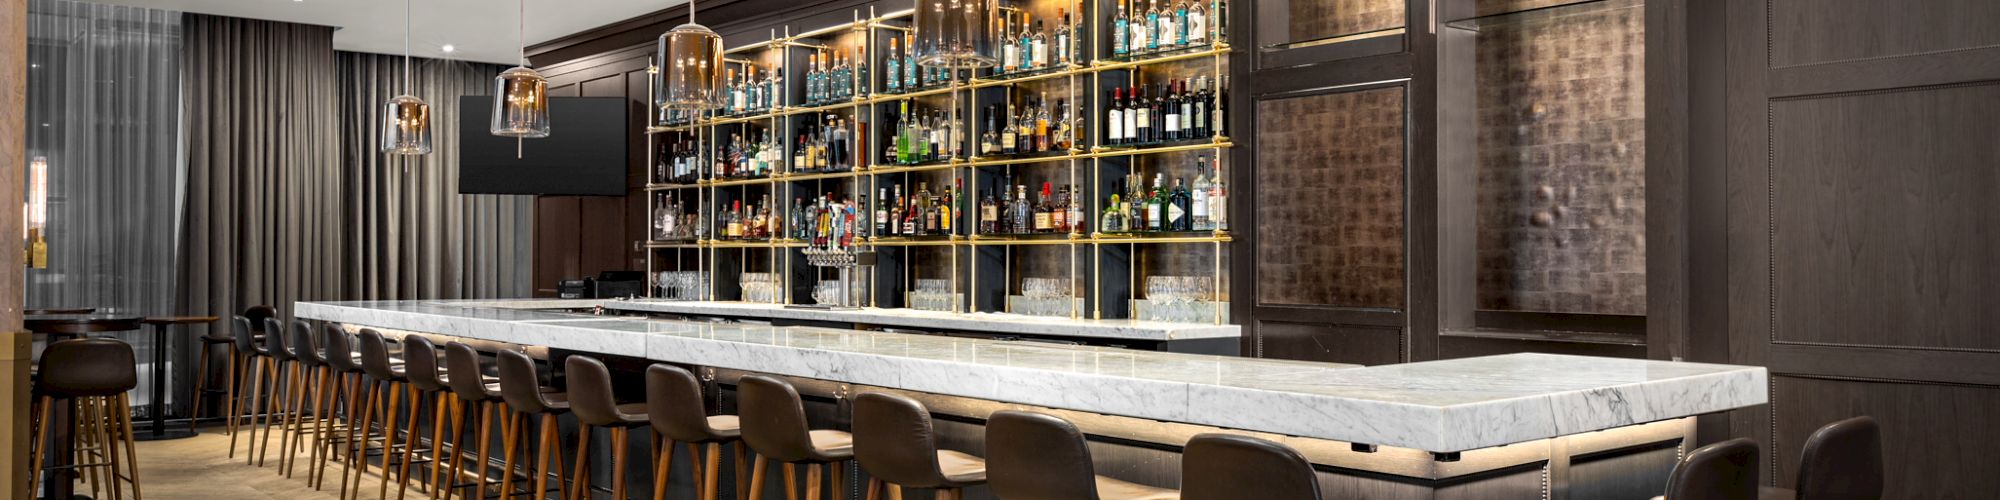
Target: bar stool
<point x="1226" y="466"/>
<point x="283" y="381"/>
<point x="774" y="424"/>
<point x="1841" y="461"/>
<point x="256" y="357"/>
<point x="894" y="442"/>
<point x="308" y="388"/>
<point x="1720" y="471"/>
<point x="385" y="378"/>
<point x="468" y="382"/>
<point x="675" y="408"/>
<point x="427" y="379"/>
<point x="94" y="375"/>
<point x="235" y="361"/>
<point x="521" y="388"/>
<point x="590" y="396"/>
<point x="352" y="441"/>
<point x="1031" y="455"/>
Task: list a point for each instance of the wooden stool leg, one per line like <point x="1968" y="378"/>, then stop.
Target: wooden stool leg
<point x="549" y="447"/>
<point x="328" y="438"/>
<point x="357" y="444"/>
<point x="279" y="382"/>
<point x="131" y="455"/>
<point x="200" y="382"/>
<point x="812" y="481"/>
<point x="835" y="474"/>
<point x="438" y="457"/>
<point x="895" y="492"/>
<point x="510" y="433"/>
<point x="710" y="471"/>
<point x="663" y="460"/>
<point x="873" y="491"/>
<point x="295" y="402"/>
<point x="757" y="479"/>
<point x="251" y="395"/>
<point x="322" y="426"/>
<point x="89" y="426"/>
<point x="791" y="482"/>
<point x="618" y="447"/>
<point x="579" y="488"/>
<point x="39" y="429"/>
<point x="410" y="448"/>
<point x="742" y="478"/>
<point x="485" y="443"/>
<point x="389" y="434"/>
<point x="695" y="469"/>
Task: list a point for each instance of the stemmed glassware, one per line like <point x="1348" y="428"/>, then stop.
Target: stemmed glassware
<point x="933" y="295"/>
<point x="759" y="287"/>
<point x="681" y="285"/>
<point x="1046" y="297"/>
<point x="1178" y="298"/>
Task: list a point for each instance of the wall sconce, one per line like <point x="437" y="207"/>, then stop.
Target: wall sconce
<point x="35" y="216"/>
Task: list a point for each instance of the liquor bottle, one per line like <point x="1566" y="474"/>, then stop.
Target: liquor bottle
<point x="775" y="84"/>
<point x="1039" y="48"/>
<point x="1152" y="29"/>
<point x="1121" y="31"/>
<point x="734" y="229"/>
<point x="1198" y="107"/>
<point x="909" y="63"/>
<point x="989" y="141"/>
<point x="1064" y="136"/>
<point x="1169" y="31"/>
<point x="1177" y="208"/>
<point x="920" y="141"/>
<point x="1074" y="203"/>
<point x="1139" y="116"/>
<point x="1217" y="122"/>
<point x="1010" y="48"/>
<point x="956" y="140"/>
<point x="1219" y="20"/>
<point x="1197" y="23"/>
<point x="837" y="146"/>
<point x="1009" y="139"/>
<point x="946" y="211"/>
<point x="861" y="81"/>
<point x="903" y="136"/>
<point x="1043" y="212"/>
<point x="1157" y="110"/>
<point x="1198" y="205"/>
<point x="801" y="155"/>
<point x="1218" y="200"/>
<point x="1114" y="118"/>
<point x="814" y="77"/>
<point x="1135" y="205"/>
<point x="1042" y="124"/>
<point x="882" y="213"/>
<point x="1156" y="208"/>
<point x="1170" y="113"/>
<point x="1059" y="211"/>
<point x="989" y="213"/>
<point x="893" y="63"/>
<point x="1064" y="46"/>
<point x="1022" y="212"/>
<point x="896" y="213"/>
<point x="1140" y="27"/>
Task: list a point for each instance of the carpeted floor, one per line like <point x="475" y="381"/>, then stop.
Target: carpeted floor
<point x="198" y="468"/>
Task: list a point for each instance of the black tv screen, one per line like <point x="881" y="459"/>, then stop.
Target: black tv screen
<point x="584" y="153"/>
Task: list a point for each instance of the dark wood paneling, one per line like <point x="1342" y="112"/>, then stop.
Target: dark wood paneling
<point x="1463" y="345"/>
<point x="556" y="238"/>
<point x="1330" y="343"/>
<point x="1330" y="199"/>
<point x="1936" y="439"/>
<point x="1883" y="216"/>
<point x="1818" y="31"/>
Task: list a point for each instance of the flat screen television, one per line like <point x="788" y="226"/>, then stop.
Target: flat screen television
<point x="584" y="153"/>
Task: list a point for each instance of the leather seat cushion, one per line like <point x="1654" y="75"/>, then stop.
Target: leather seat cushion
<point x="832" y="443"/>
<point x="727" y="426"/>
<point x="961" y="468"/>
<point x="1113" y="489"/>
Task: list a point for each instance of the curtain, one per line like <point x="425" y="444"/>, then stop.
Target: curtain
<point x="264" y="185"/>
<point x="103" y="115"/>
<point x="412" y="235"/>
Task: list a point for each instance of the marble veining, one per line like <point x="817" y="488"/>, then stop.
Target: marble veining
<point x="978" y="322"/>
<point x="1442" y="406"/>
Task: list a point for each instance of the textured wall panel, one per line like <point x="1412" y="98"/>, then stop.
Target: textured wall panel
<point x="1330" y="199"/>
<point x="1321" y="19"/>
<point x="1561" y="151"/>
<point x="1884" y="218"/>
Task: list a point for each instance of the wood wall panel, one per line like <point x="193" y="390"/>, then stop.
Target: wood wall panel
<point x="596" y="233"/>
<point x="1933" y="436"/>
<point x="1330" y="343"/>
<point x="1883" y="217"/>
<point x="1329" y="208"/>
<point x="1806" y="32"/>
<point x="14" y="362"/>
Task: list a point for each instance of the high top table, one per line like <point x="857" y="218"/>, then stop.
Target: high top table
<point x="161" y="324"/>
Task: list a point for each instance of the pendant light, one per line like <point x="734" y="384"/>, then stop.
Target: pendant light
<point x="521" y="105"/>
<point x="406" y="129"/>
<point x="955" y="33"/>
<point x="690" y="59"/>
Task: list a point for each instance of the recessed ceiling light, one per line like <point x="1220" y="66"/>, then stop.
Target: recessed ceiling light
<point x="448" y="48"/>
<point x="34" y="65"/>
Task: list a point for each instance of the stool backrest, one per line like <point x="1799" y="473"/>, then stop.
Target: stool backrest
<point x="520" y="383"/>
<point x="773" y="419"/>
<point x="303" y="346"/>
<point x="674" y="404"/>
<point x="1224" y="466"/>
<point x="1842" y="461"/>
<point x="589" y="391"/>
<point x="375" y="355"/>
<point x="893" y="439"/>
<point x="463" y="373"/>
<point x="420" y="363"/>
<point x="1031" y="455"/>
<point x="274" y="338"/>
<point x="246" y="333"/>
<point x="87" y="367"/>
<point x="340" y="349"/>
<point x="1720" y="471"/>
<point x="258" y="313"/>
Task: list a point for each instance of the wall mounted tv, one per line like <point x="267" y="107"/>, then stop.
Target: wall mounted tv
<point x="584" y="153"/>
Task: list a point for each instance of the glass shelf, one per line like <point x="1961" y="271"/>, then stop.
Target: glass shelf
<point x="1539" y="14"/>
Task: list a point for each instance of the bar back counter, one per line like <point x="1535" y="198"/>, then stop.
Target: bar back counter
<point x="1509" y="426"/>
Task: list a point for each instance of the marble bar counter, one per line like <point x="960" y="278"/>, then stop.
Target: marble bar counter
<point x="1440" y="407"/>
<point x="1153" y="335"/>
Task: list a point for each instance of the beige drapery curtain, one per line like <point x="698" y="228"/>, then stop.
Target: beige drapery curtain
<point x="263" y="165"/>
<point x="413" y="235"/>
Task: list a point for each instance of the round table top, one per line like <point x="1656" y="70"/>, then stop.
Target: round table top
<point x="178" y="320"/>
<point x="80" y="323"/>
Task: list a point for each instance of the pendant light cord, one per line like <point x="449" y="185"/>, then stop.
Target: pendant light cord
<point x="690" y="11"/>
<point x="406" y="47"/>
<point x="524" y="33"/>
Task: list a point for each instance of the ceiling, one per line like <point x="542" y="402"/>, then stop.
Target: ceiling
<point x="478" y="30"/>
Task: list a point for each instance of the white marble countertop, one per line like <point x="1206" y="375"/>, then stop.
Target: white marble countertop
<point x="974" y="322"/>
<point x="1439" y="406"/>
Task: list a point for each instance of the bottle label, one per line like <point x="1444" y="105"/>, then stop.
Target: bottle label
<point x="1116" y="129"/>
<point x="1175" y="216"/>
<point x="1144" y="118"/>
<point x="989" y="213"/>
<point x="1041" y="221"/>
<point x="1173" y="123"/>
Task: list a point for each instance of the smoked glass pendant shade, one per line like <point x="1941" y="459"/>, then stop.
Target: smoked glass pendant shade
<point x="955" y="33"/>
<point x="522" y="108"/>
<point x="407" y="126"/>
<point x="690" y="58"/>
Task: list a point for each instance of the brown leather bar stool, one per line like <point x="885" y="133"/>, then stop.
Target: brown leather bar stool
<point x="284" y="382"/>
<point x="774" y="424"/>
<point x="352" y="440"/>
<point x="308" y="390"/>
<point x="1720" y="471"/>
<point x="1228" y="466"/>
<point x="232" y="369"/>
<point x="1841" y="461"/>
<point x="591" y="398"/>
<point x="95" y="375"/>
<point x="895" y="443"/>
<point x="1031" y="455"/>
<point x="674" y="404"/>
<point x="469" y="385"/>
<point x="521" y="387"/>
<point x="427" y="379"/>
<point x="385" y="379"/>
<point x="254" y="395"/>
